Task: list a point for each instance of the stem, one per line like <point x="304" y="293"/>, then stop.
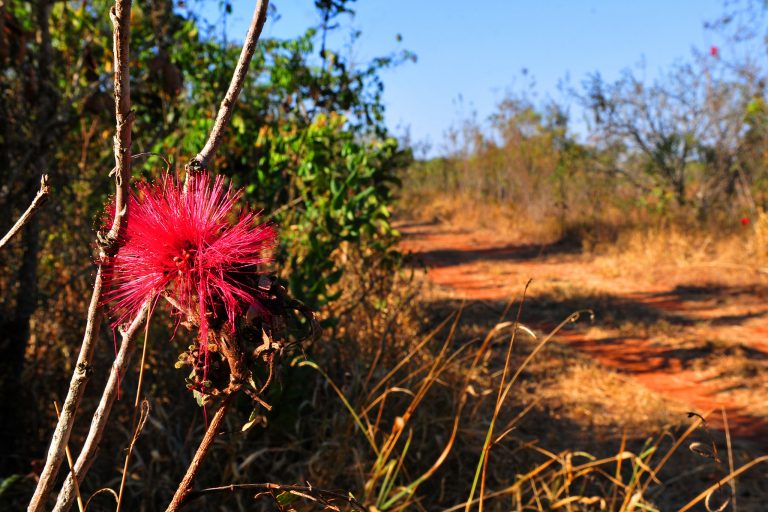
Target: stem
<point x="306" y="492"/>
<point x="203" y="159"/>
<point x="120" y="15"/>
<point x="230" y="349"/>
<point x="185" y="487"/>
<point x="101" y="416"/>
<point x="75" y="393"/>
<point x="135" y="419"/>
<point x="80" y="505"/>
<point x="37" y="202"/>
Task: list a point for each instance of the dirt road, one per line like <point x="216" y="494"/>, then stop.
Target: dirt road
<point x="694" y="334"/>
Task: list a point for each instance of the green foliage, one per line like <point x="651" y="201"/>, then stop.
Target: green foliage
<point x="307" y="139"/>
<point x="339" y="192"/>
<point x="307" y="142"/>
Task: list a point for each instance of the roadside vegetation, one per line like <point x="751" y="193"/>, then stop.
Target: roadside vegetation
<point x="410" y="399"/>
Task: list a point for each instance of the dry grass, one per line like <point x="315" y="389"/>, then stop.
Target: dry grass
<point x="468" y="213"/>
<point x="404" y="427"/>
<point x="414" y="399"/>
<point x="577" y="405"/>
<point x="735" y="257"/>
<point x="605" y="402"/>
<point x="621" y="241"/>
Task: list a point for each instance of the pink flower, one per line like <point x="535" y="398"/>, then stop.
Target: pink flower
<point x="197" y="247"/>
<point x="714" y="51"/>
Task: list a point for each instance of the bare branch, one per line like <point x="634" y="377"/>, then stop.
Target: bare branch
<point x="305" y="491"/>
<point x="235" y="358"/>
<point x="204" y="157"/>
<point x="37" y="202"/>
<point x="99" y="422"/>
<point x="75" y="393"/>
<point x="202" y="450"/>
<point x="120" y="15"/>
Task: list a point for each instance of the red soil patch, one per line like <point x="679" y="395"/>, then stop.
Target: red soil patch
<point x="478" y="266"/>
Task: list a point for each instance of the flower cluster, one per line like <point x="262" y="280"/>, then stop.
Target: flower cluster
<point x="195" y="246"/>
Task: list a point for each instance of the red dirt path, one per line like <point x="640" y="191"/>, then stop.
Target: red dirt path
<point x="476" y="265"/>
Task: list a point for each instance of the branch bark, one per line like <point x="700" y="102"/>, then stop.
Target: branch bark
<point x="75" y="394"/>
<point x="230" y="349"/>
<point x="185" y="487"/>
<point x="120" y="15"/>
<point x="37" y="202"/>
<point x="90" y="448"/>
<point x="203" y="159"/>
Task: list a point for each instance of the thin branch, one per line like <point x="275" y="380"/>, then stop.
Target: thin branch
<point x="99" y="422"/>
<point x="136" y="421"/>
<point x="143" y="415"/>
<point x="204" y="157"/>
<point x="185" y="487"/>
<point x="238" y="374"/>
<point x="75" y="393"/>
<point x="120" y="15"/>
<point x="300" y="490"/>
<point x="37" y="202"/>
<point x="80" y="505"/>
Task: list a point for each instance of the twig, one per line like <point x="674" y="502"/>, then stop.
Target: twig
<point x="203" y="159"/>
<point x="121" y="16"/>
<point x="233" y="354"/>
<point x="210" y="434"/>
<point x="138" y="425"/>
<point x="101" y="416"/>
<point x="77" y="385"/>
<point x="138" y="420"/>
<point x="80" y="506"/>
<point x="306" y="492"/>
<point x="37" y="202"/>
<point x="200" y="162"/>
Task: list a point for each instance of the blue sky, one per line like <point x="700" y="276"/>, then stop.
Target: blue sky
<point x="470" y="54"/>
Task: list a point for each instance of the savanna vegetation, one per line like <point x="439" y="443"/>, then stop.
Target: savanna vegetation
<point x="402" y="402"/>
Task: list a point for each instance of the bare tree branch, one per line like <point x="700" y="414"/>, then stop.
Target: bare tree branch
<point x="322" y="496"/>
<point x="75" y="393"/>
<point x="37" y="202"/>
<point x="200" y="163"/>
<point x="202" y="450"/>
<point x="120" y="15"/>
<point x="204" y="157"/>
<point x="99" y="422"/>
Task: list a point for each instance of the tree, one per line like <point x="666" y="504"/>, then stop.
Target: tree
<point x="678" y="137"/>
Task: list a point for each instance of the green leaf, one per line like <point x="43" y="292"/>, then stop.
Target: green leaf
<point x="286" y="498"/>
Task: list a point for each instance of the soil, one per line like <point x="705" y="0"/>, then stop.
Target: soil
<point x="693" y="333"/>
